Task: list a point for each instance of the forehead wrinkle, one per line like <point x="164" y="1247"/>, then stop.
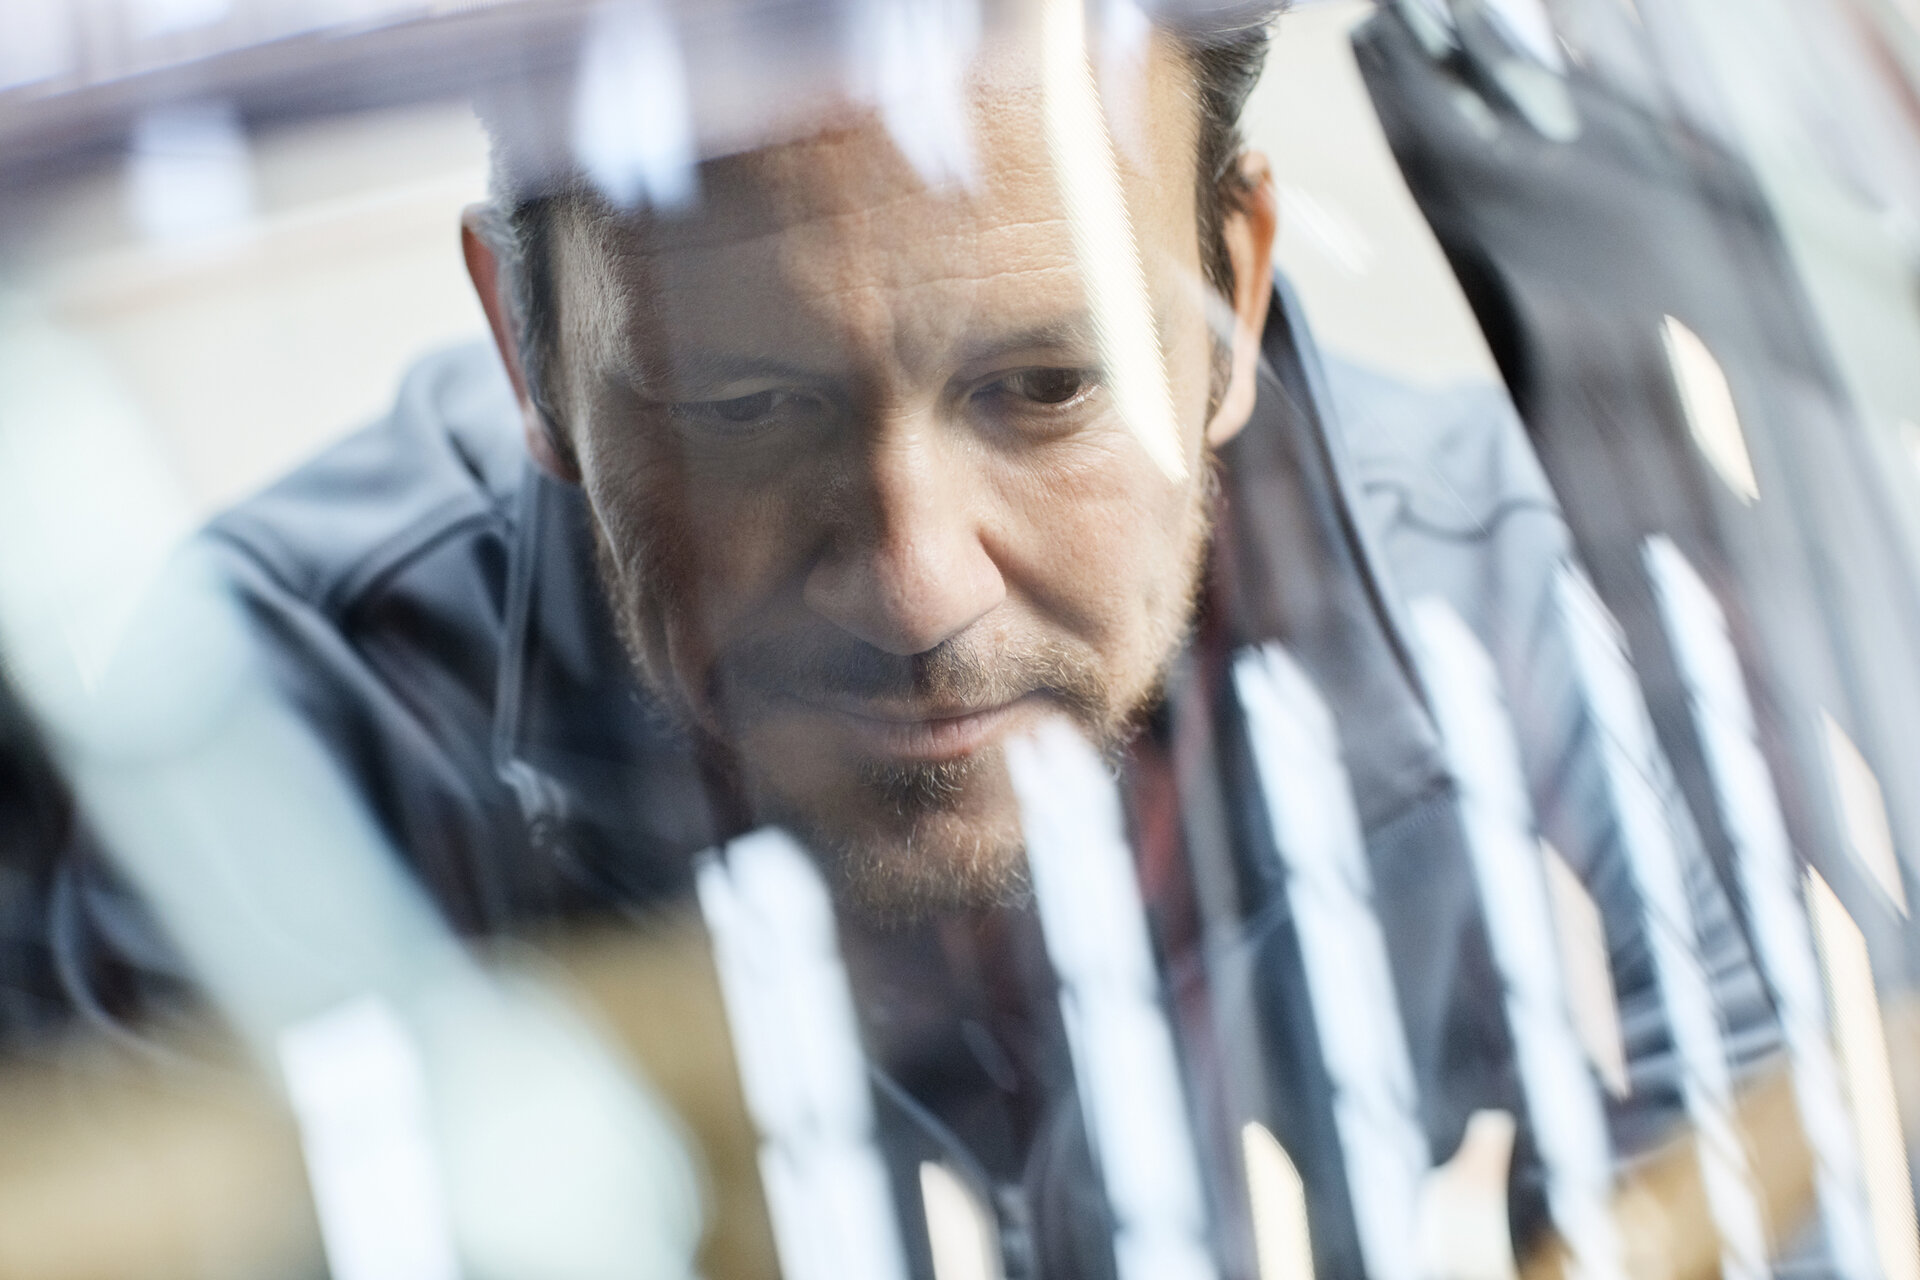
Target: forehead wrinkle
<point x="878" y="339"/>
<point x="781" y="199"/>
<point x="719" y="230"/>
<point x="875" y="295"/>
<point x="903" y="284"/>
<point x="893" y="337"/>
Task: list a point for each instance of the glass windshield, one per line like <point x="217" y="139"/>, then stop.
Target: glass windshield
<point x="938" y="640"/>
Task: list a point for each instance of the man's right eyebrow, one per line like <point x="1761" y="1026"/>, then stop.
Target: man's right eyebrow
<point x="692" y="373"/>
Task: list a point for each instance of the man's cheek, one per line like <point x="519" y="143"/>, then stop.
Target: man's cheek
<point x="1112" y="556"/>
<point x="735" y="569"/>
<point x="790" y="755"/>
<point x="651" y="553"/>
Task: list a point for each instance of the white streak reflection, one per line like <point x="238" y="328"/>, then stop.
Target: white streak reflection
<point x="1316" y="830"/>
<point x="1583" y="951"/>
<point x="1862" y="1041"/>
<point x="1123" y="1055"/>
<point x="1337" y="237"/>
<point x="1125" y="41"/>
<point x="1111" y="271"/>
<point x="802" y="1069"/>
<point x="1909" y="433"/>
<point x="1769" y="879"/>
<point x="259" y="862"/>
<point x="1708" y="402"/>
<point x="1640" y="791"/>
<point x="37" y="41"/>
<point x="1432" y="24"/>
<point x="1863" y="813"/>
<point x="960" y="1233"/>
<point x="632" y="119"/>
<point x="1282" y="1246"/>
<point x="150" y="18"/>
<point x="1563" y="1099"/>
<point x="917" y="54"/>
<point x="360" y="1093"/>
<point x="190" y="173"/>
<point x="1528" y="27"/>
<point x="1463" y="1228"/>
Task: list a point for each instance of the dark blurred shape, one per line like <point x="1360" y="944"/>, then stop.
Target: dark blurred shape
<point x="36" y="824"/>
<point x="1635" y="287"/>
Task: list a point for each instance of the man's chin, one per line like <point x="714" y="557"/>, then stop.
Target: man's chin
<point x="916" y="840"/>
<point x="925" y="874"/>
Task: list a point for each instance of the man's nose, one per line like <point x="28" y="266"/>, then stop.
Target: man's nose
<point x="906" y="566"/>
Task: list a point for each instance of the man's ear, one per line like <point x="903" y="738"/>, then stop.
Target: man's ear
<point x="483" y="268"/>
<point x="1248" y="230"/>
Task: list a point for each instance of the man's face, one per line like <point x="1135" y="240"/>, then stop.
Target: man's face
<point x="865" y="504"/>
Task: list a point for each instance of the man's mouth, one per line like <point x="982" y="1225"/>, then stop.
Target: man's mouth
<point x="923" y="734"/>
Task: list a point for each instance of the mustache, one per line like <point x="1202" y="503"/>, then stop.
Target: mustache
<point x="957" y="671"/>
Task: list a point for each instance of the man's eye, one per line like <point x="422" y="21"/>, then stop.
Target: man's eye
<point x="743" y="408"/>
<point x="759" y="411"/>
<point x="1048" y="386"/>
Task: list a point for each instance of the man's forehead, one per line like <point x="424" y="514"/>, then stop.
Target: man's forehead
<point x="828" y="254"/>
<point x="811" y="301"/>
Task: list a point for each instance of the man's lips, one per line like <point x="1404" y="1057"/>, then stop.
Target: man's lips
<point x="922" y="734"/>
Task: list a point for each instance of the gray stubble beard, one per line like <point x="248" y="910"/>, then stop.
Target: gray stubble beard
<point x="885" y="876"/>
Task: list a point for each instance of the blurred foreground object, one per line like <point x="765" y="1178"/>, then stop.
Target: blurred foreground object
<point x="509" y="1133"/>
<point x="117" y="1166"/>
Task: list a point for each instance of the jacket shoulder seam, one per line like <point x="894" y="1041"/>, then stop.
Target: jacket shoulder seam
<point x="336" y="592"/>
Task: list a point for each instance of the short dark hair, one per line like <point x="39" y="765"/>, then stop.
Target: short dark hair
<point x="1227" y="58"/>
<point x="1226" y="49"/>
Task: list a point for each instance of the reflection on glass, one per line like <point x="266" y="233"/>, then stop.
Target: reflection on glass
<point x="798" y="1045"/>
<point x="1082" y="151"/>
<point x="1769" y="879"/>
<point x="1280" y="1231"/>
<point x="1123" y="1051"/>
<point x="632" y="127"/>
<point x="1309" y="804"/>
<point x="1861" y="1039"/>
<point x="189" y="173"/>
<point x="1583" y="956"/>
<point x="1708" y="402"/>
<point x="1863" y="813"/>
<point x="1562" y="1095"/>
<point x="859" y="404"/>
<point x="1463" y="1229"/>
<point x="916" y="56"/>
<point x="962" y="1237"/>
<point x="1642" y="794"/>
<point x="357" y="1084"/>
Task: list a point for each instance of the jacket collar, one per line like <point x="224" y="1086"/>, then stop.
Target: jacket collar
<point x="1296" y="564"/>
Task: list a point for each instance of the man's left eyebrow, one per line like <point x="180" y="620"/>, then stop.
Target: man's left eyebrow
<point x="1076" y="336"/>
